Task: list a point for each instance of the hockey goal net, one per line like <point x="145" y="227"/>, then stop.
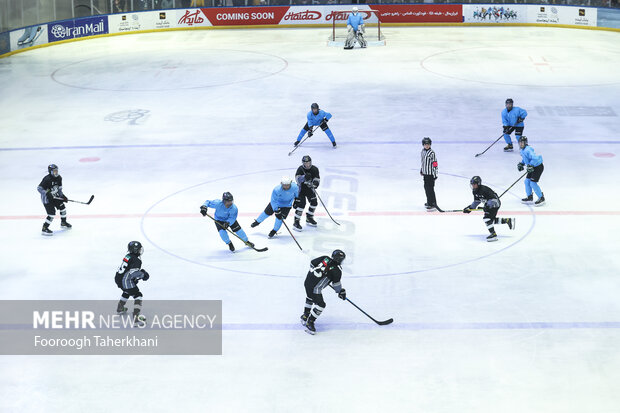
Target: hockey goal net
<point x="372" y="25"/>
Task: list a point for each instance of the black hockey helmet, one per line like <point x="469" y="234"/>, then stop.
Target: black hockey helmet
<point x="134" y="247"/>
<point x="509" y="100"/>
<point x="314" y="106"/>
<point x="305" y="159"/>
<point x="338" y="256"/>
<point x="426" y="140"/>
<point x="523" y="139"/>
<point x="475" y="180"/>
<point x="51" y="167"/>
<point x="227" y="196"/>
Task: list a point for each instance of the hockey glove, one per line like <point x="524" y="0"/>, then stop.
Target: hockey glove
<point x="203" y="210"/>
<point x="315" y="182"/>
<point x="324" y="123"/>
<point x="342" y="294"/>
<point x="223" y="224"/>
<point x="50" y="196"/>
<point x="310" y="133"/>
<point x="466" y="210"/>
<point x="530" y="169"/>
<point x="64" y="198"/>
<point x="146" y="275"/>
<point x="520" y="119"/>
<point x="520" y="166"/>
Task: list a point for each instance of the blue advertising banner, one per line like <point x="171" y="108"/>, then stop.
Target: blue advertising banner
<point x="4" y="43"/>
<point x="71" y="29"/>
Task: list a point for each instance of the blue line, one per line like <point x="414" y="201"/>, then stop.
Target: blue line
<point x="254" y="143"/>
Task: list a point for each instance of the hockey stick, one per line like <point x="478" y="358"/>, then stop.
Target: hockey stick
<point x="228" y="229"/>
<point x="381" y="323"/>
<point x="289" y="231"/>
<point x="304" y="139"/>
<point x="480" y="209"/>
<point x="455" y="210"/>
<point x="77" y="202"/>
<point x="322" y="203"/>
<point x="500" y="137"/>
<point x="521" y="177"/>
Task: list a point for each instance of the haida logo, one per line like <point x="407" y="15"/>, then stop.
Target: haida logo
<point x="191" y="18"/>
<point x="303" y="15"/>
<point x="344" y="15"/>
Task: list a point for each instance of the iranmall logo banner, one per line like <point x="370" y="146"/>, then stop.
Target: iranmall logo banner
<point x="71" y="29"/>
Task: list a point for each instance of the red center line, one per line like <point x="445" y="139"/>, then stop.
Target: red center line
<point x="321" y="214"/>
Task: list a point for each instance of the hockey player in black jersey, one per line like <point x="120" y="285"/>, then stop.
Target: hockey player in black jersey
<point x="53" y="198"/>
<point x="323" y="271"/>
<point x="308" y="179"/>
<point x="127" y="278"/>
<point x="485" y="195"/>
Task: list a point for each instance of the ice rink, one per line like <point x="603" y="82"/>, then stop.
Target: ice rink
<point x="155" y="124"/>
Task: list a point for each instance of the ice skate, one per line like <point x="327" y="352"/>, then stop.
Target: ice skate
<point x="528" y="199"/>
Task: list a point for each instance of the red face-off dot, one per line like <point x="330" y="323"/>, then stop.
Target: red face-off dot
<point x="90" y="159"/>
<point x="604" y="154"/>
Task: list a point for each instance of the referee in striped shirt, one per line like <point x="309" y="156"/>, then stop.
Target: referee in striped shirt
<point x="429" y="173"/>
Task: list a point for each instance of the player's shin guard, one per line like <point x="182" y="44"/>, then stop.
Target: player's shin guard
<point x="311" y="210"/>
<point x="536" y="189"/>
<point x="528" y="187"/>
<point x="261" y="217"/>
<point x="277" y="225"/>
<point x="298" y="213"/>
<point x="241" y="233"/>
<point x="137" y="305"/>
<point x="308" y="307"/>
<point x="330" y="135"/>
<point x="489" y="223"/>
<point x="301" y="134"/>
<point x="507" y="138"/>
<point x="316" y="312"/>
<point x="224" y="236"/>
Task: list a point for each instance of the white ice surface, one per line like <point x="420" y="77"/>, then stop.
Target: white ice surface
<point x="224" y="108"/>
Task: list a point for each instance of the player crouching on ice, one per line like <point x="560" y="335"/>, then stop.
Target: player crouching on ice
<point x="323" y="271"/>
<point x="316" y="117"/>
<point x="484" y="194"/>
<point x="127" y="278"/>
<point x="226" y="216"/>
<point x="355" y="27"/>
<point x="281" y="203"/>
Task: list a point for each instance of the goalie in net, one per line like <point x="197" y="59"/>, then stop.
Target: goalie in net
<point x="357" y="28"/>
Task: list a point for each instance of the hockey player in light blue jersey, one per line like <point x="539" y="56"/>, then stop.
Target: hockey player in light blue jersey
<point x="535" y="168"/>
<point x="282" y="198"/>
<point x="226" y="217"/>
<point x="512" y="119"/>
<point x="316" y="117"/>
<point x="356" y="29"/>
